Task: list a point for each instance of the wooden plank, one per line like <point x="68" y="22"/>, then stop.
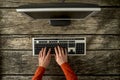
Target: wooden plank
<point x="101" y="23"/>
<point x="10" y="62"/>
<point x="93" y="42"/>
<point x="14" y="3"/>
<point x="16" y="78"/>
<point x="86" y="1"/>
<point x="62" y="78"/>
<point x="99" y="2"/>
<point x="110" y="2"/>
<point x="95" y="62"/>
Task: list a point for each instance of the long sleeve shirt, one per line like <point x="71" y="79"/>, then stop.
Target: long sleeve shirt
<point x="69" y="74"/>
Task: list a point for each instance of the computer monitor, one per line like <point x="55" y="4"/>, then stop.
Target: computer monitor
<point x="59" y="11"/>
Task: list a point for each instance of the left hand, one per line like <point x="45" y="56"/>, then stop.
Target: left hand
<point x="44" y="59"/>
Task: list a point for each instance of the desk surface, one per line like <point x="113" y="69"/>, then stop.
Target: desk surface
<point x="103" y="44"/>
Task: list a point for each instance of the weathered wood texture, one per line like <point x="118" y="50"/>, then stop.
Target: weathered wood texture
<point x="61" y="78"/>
<point x="99" y="2"/>
<point x="93" y="42"/>
<point x="95" y="62"/>
<point x="101" y="30"/>
<point x="101" y="23"/>
<point x="16" y="3"/>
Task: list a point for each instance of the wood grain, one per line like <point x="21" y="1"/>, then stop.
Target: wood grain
<point x="17" y="3"/>
<point x="102" y="31"/>
<point x="95" y="62"/>
<point x="99" y="2"/>
<point x="101" y="23"/>
<point x="14" y="3"/>
<point x="93" y="42"/>
<point x="62" y="78"/>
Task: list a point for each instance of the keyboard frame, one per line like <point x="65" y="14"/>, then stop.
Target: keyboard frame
<point x="33" y="50"/>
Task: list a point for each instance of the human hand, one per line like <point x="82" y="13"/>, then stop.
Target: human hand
<point x="44" y="59"/>
<point x="60" y="55"/>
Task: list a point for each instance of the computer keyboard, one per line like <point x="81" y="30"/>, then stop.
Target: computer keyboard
<point x="73" y="45"/>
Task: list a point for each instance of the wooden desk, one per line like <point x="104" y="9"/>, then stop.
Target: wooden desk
<point x="103" y="44"/>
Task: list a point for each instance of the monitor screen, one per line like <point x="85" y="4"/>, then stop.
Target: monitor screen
<point x="58" y="10"/>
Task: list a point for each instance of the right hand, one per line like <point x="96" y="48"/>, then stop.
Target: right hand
<point x="60" y="55"/>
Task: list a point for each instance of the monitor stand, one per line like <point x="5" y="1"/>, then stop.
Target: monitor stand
<point x="60" y="22"/>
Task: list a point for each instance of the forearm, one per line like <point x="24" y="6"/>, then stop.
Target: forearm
<point x="39" y="73"/>
<point x="69" y="74"/>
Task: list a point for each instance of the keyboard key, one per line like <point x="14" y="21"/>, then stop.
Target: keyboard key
<point x="80" y="48"/>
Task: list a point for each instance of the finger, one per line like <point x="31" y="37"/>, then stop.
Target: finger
<point x="41" y="52"/>
<point x="59" y="50"/>
<point x="56" y="51"/>
<point x="49" y="57"/>
<point x="62" y="51"/>
<point x="48" y="53"/>
<point x="44" y="52"/>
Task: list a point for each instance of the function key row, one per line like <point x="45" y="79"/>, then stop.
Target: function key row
<point x="55" y="41"/>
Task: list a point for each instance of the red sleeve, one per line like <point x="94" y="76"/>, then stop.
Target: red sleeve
<point x="39" y="73"/>
<point x="69" y="74"/>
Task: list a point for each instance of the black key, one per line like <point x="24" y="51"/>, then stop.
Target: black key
<point x="71" y="44"/>
<point x="80" y="48"/>
<point x="38" y="47"/>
